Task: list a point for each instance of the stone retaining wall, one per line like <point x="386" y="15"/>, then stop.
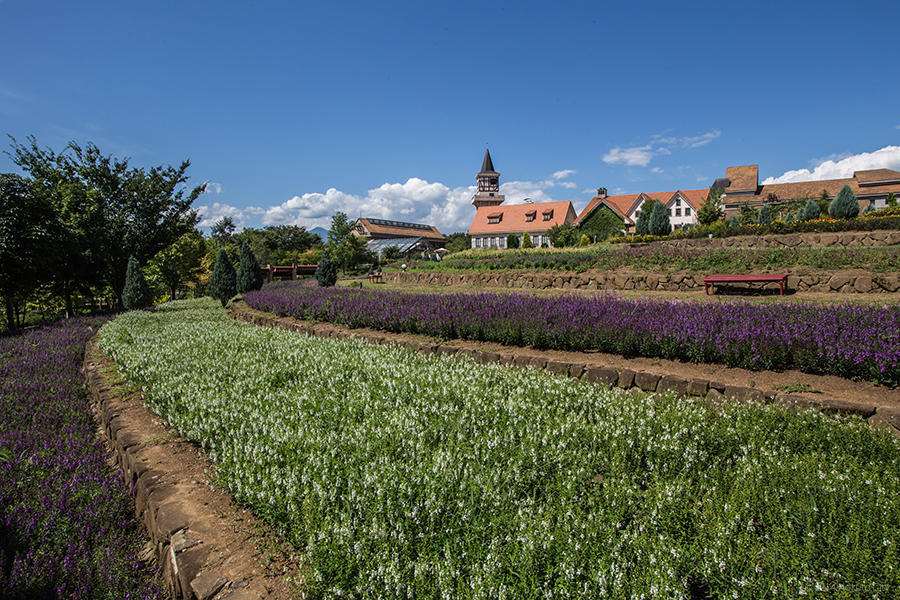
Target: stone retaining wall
<point x="198" y="549"/>
<point x="792" y="240"/>
<point x="626" y="379"/>
<point x="846" y="282"/>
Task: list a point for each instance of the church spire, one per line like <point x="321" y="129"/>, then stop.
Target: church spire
<point x="487" y="165"/>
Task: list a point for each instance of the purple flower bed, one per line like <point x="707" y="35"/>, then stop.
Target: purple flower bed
<point x="67" y="528"/>
<point x="848" y="340"/>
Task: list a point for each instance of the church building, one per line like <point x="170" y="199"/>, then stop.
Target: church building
<point x="493" y="222"/>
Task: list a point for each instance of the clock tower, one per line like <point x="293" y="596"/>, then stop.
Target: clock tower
<point x="488" y="185"/>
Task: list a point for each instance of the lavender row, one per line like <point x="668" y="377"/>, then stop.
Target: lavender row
<point x="849" y="340"/>
<point x="67" y="529"/>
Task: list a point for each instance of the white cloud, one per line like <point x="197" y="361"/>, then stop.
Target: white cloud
<point x="569" y="185"/>
<point x="564" y="174"/>
<point x="209" y="214"/>
<point x="416" y="200"/>
<point x="640" y="156"/>
<point x="213" y="187"/>
<point x="656" y="170"/>
<point x="884" y="158"/>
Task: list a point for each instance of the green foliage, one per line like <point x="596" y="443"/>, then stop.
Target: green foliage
<point x="584" y="241"/>
<point x="391" y="253"/>
<point x="711" y="210"/>
<point x="278" y="244"/>
<point x="526" y="240"/>
<point x="733" y="221"/>
<point x="137" y="293"/>
<point x="891" y="200"/>
<point x="341" y="228"/>
<point x="179" y="264"/>
<point x="602" y="223"/>
<point x="512" y="241"/>
<point x="249" y="275"/>
<point x="562" y="235"/>
<point x="748" y="214"/>
<point x="458" y="242"/>
<point x="223" y="229"/>
<point x="659" y="220"/>
<point x="223" y="281"/>
<point x="844" y="205"/>
<point x="810" y="211"/>
<point x="765" y="215"/>
<point x="440" y="477"/>
<point x="326" y="273"/>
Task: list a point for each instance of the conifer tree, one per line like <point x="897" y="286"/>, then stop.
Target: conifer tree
<point x="585" y="240"/>
<point x="137" y="293"/>
<point x="765" y="215"/>
<point x="326" y="272"/>
<point x="512" y="241"/>
<point x="810" y="211"/>
<point x="659" y="220"/>
<point x="642" y="225"/>
<point x="526" y="241"/>
<point x="249" y="275"/>
<point x="223" y="281"/>
<point x="844" y="205"/>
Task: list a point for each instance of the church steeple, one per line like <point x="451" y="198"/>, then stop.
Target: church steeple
<point x="488" y="184"/>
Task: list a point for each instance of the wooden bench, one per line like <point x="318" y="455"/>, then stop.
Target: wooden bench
<point x="375" y="277"/>
<point x="712" y="280"/>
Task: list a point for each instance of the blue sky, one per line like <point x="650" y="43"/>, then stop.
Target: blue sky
<point x="294" y="110"/>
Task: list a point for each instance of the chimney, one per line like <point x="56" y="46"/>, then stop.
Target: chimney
<point x="601" y="192"/>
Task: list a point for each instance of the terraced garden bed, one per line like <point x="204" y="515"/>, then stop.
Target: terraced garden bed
<point x="403" y="475"/>
<point x="67" y="526"/>
<point x="848" y="340"/>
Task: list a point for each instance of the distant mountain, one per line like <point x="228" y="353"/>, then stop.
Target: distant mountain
<point x="323" y="233"/>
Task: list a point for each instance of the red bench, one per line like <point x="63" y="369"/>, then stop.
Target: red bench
<point x="712" y="280"/>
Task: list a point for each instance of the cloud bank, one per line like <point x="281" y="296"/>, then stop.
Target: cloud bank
<point x="640" y="156"/>
<point x="884" y="158"/>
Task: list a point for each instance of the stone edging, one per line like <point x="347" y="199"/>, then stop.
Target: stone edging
<point x="194" y="541"/>
<point x="626" y="379"/>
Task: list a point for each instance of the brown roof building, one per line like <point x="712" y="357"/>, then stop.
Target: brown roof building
<point x="682" y="205"/>
<point x="741" y="185"/>
<point x="410" y="237"/>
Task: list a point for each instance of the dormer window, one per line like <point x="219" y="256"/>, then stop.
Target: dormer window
<point x="548" y="215"/>
<point x="530" y="216"/>
<point x="495" y="218"/>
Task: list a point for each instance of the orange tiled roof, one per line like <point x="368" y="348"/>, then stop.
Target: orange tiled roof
<point x="512" y="217"/>
<point x="625" y="203"/>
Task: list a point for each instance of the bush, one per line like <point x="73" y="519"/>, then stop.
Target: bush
<point x="659" y="220"/>
<point x="249" y="275"/>
<point x="526" y="241"/>
<point x="810" y="211"/>
<point x="891" y="200"/>
<point x="137" y="293"/>
<point x="733" y="222"/>
<point x="326" y="273"/>
<point x="223" y="281"/>
<point x="765" y="215"/>
<point x="391" y="253"/>
<point x="512" y="241"/>
<point x="562" y="235"/>
<point x="585" y="240"/>
<point x="711" y="210"/>
<point x="844" y="205"/>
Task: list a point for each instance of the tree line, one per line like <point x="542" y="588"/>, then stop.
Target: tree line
<point x="72" y="220"/>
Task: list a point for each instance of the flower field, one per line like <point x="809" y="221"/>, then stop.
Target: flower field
<point x="402" y="475"/>
<point x="67" y="529"/>
<point x="848" y="340"/>
<point x="669" y="258"/>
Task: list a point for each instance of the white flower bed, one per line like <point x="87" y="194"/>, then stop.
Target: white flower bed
<point x="411" y="476"/>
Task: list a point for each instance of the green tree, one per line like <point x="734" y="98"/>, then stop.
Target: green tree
<point x="27" y="234"/>
<point x="249" y="275"/>
<point x="326" y="272"/>
<point x="659" y="220"/>
<point x="748" y="215"/>
<point x="346" y="250"/>
<point x="765" y="215"/>
<point x="844" y="205"/>
<point x="222" y="230"/>
<point x="179" y="264"/>
<point x="810" y="211"/>
<point x="585" y="240"/>
<point x="733" y="221"/>
<point x="526" y="240"/>
<point x="711" y="211"/>
<point x="562" y="235"/>
<point x="137" y="293"/>
<point x="223" y="281"/>
<point x="391" y="253"/>
<point x="457" y="242"/>
<point x="891" y="200"/>
<point x="278" y="244"/>
<point x="512" y="241"/>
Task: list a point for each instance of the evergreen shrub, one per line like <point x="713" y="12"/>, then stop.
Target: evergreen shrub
<point x="326" y="273"/>
<point x="249" y="275"/>
<point x="137" y="293"/>
<point x="844" y="205"/>
<point x="223" y="281"/>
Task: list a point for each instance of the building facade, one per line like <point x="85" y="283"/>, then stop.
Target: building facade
<point x="408" y="237"/>
<point x="494" y="223"/>
<point x="681" y="204"/>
